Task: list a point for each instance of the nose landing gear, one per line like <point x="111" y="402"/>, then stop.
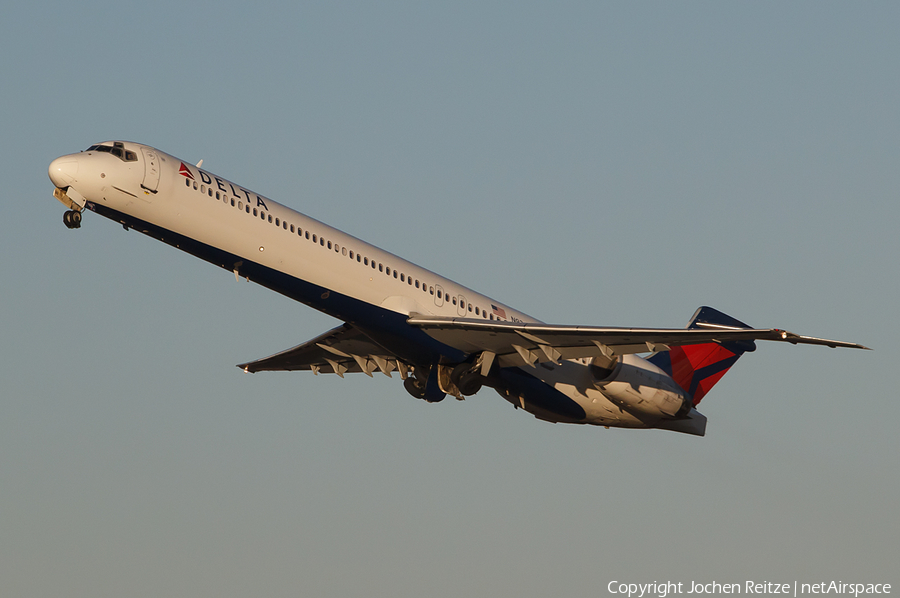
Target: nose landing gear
<point x="73" y="200"/>
<point x="72" y="219"/>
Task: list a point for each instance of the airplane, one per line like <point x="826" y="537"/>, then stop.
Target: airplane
<point x="439" y="336"/>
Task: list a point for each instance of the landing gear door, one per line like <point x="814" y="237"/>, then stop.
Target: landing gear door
<point x="151" y="169"/>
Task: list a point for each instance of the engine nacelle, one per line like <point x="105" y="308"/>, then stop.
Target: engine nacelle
<point x="639" y="387"/>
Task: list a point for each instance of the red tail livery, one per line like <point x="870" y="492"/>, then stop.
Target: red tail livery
<point x="697" y="368"/>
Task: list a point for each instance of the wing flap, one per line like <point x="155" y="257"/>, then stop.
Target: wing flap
<point x="342" y="350"/>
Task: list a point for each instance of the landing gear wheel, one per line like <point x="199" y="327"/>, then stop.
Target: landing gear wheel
<point x="72" y="219"/>
<point x="414" y="387"/>
<point x="467" y="378"/>
<point x="469" y="385"/>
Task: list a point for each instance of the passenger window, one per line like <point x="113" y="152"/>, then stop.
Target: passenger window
<point x="240" y="205"/>
<point x="470" y="307"/>
<point x="417" y="283"/>
<point x="218" y="196"/>
<point x="209" y="191"/>
<point x="232" y="202"/>
<point x="381" y="267"/>
<point x="247" y="208"/>
<point x="277" y="223"/>
<point x="195" y="185"/>
<point x="292" y="228"/>
<point x="202" y="188"/>
<point x="431" y="290"/>
<point x="315" y="239"/>
<point x="284" y="224"/>
<point x="439" y="293"/>
<point x="270" y="219"/>
<point x="454" y="301"/>
<point x="322" y="241"/>
<point x="343" y="251"/>
<point x="187" y="182"/>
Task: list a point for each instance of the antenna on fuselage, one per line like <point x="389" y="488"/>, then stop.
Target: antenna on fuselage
<point x="200" y="163"/>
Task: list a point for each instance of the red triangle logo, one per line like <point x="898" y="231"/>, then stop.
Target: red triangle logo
<point x="185" y="171"/>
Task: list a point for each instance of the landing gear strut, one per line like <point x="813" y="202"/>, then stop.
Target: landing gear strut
<point x="72" y="219"/>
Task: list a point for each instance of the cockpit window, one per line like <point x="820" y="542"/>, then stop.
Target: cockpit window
<point x="117" y="149"/>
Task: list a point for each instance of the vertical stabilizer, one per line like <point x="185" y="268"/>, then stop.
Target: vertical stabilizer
<point x="697" y="368"/>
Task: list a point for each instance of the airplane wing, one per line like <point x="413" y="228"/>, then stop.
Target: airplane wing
<point x="517" y="344"/>
<point x="346" y="349"/>
<point x="341" y="351"/>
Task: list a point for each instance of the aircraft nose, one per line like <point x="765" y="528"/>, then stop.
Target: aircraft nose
<point x="63" y="171"/>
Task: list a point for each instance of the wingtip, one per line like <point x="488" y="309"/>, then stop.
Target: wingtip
<point x="851" y="346"/>
<point x="812" y="340"/>
<point x="848" y="345"/>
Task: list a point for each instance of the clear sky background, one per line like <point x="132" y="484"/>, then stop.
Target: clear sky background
<point x="607" y="164"/>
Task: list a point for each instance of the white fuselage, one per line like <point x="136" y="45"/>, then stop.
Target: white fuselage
<point x="334" y="272"/>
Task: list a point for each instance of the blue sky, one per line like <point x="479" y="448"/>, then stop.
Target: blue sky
<point x="608" y="164"/>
